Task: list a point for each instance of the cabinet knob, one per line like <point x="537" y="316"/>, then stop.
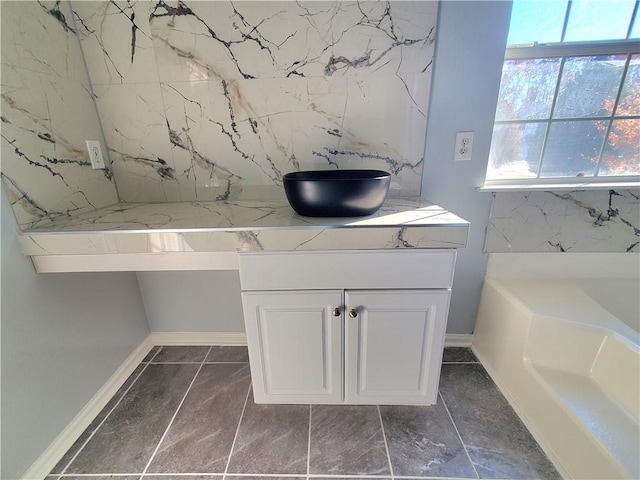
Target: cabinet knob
<point x="336" y="312"/>
<point x="353" y="313"/>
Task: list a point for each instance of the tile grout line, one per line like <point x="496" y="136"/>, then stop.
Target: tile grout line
<point x="64" y="470"/>
<point x="155" y="354"/>
<point x="172" y="476"/>
<point x="458" y="433"/>
<point x="175" y="414"/>
<point x="384" y="437"/>
<point x="309" y="442"/>
<point x="235" y="437"/>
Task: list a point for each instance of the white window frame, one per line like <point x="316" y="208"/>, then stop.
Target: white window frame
<point x="567" y="50"/>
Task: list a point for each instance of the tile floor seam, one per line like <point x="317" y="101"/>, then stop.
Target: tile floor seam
<point x="235" y="437"/>
<point x="458" y="433"/>
<point x="386" y="444"/>
<point x="102" y="422"/>
<point x="155" y="354"/>
<point x="175" y="414"/>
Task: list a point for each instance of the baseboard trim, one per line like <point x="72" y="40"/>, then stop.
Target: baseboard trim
<point x="458" y="339"/>
<point x="56" y="450"/>
<point x="199" y="338"/>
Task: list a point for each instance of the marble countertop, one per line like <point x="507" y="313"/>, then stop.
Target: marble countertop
<point x="238" y="226"/>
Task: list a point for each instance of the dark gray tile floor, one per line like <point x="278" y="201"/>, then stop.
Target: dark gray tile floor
<point x="187" y="413"/>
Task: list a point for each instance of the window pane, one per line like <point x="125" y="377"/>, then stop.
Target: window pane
<point x="630" y="97"/>
<point x="589" y="86"/>
<point x="621" y="154"/>
<point x="573" y="149"/>
<point x="599" y="20"/>
<point x="635" y="31"/>
<point x="526" y="89"/>
<point x="515" y="150"/>
<point x="536" y="21"/>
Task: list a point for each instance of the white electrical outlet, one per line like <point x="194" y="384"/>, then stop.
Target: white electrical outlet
<point x="95" y="154"/>
<point x="464" y="146"/>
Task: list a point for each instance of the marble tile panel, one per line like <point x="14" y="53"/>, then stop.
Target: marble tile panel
<point x="229" y="135"/>
<point x="126" y="440"/>
<point x="46" y="172"/>
<point x="228" y="355"/>
<point x="136" y="133"/>
<point x="458" y="355"/>
<point x="224" y="40"/>
<point x="202" y="434"/>
<point x="347" y="440"/>
<point x="179" y="354"/>
<point x="422" y="441"/>
<point x="79" y="443"/>
<point x="498" y="443"/>
<point x="574" y="221"/>
<point x="40" y="38"/>
<point x="116" y="41"/>
<point x="272" y="439"/>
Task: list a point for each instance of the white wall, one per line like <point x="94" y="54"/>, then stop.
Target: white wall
<point x="192" y="301"/>
<point x="468" y="65"/>
<point x="63" y="336"/>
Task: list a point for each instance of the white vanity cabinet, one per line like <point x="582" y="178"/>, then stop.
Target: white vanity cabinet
<point x="357" y="327"/>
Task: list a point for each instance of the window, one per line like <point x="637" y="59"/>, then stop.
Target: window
<point x="569" y="101"/>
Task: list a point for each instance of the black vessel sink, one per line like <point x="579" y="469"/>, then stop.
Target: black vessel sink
<point x="336" y="193"/>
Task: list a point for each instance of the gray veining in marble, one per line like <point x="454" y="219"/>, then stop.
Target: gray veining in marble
<point x="126" y="440"/>
<point x="347" y="440"/>
<point x="75" y="448"/>
<point x="179" y="354"/>
<point x="574" y="221"/>
<point x="272" y="439"/>
<point x="228" y="354"/>
<point x="245" y="226"/>
<point x="498" y="443"/>
<point x="201" y="436"/>
<point x="207" y="100"/>
<point x="47" y="114"/>
<point x="422" y="441"/>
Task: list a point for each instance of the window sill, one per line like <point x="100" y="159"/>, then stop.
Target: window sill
<point x="524" y="187"/>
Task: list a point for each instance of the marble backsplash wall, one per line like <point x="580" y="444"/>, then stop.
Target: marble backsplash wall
<point x="47" y="114"/>
<point x="218" y="100"/>
<point x="575" y="221"/>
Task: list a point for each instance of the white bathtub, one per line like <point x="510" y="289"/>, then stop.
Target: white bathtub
<point x="559" y="335"/>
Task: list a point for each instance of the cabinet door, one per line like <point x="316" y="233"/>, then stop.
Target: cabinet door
<point x="393" y="347"/>
<point x="295" y="345"/>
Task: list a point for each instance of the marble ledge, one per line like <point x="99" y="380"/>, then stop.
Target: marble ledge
<point x="242" y="226"/>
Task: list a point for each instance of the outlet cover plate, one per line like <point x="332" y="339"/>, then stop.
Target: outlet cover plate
<point x="95" y="154"/>
<point x="464" y="146"/>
